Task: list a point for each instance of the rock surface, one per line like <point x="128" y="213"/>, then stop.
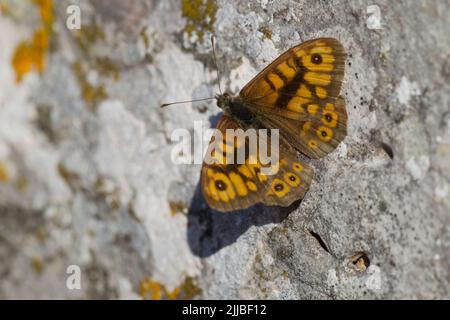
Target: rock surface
<point x="86" y="176"/>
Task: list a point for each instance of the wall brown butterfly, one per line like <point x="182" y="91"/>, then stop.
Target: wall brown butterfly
<point x="298" y="93"/>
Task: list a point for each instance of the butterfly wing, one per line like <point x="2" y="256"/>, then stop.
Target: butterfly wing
<point x="316" y="135"/>
<point x="228" y="187"/>
<point x="299" y="94"/>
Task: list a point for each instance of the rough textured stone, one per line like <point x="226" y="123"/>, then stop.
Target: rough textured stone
<point x="86" y="177"/>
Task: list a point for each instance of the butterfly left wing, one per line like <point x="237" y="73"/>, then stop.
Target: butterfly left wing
<point x="299" y="94"/>
<point x="227" y="187"/>
<point x="233" y="186"/>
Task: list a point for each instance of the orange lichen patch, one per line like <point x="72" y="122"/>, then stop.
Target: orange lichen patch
<point x="174" y="294"/>
<point x="46" y="11"/>
<point x="23" y="60"/>
<point x="30" y="54"/>
<point x="151" y="289"/>
<point x="4" y="176"/>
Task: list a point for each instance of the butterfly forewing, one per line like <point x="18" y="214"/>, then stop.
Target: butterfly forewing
<point x="303" y="85"/>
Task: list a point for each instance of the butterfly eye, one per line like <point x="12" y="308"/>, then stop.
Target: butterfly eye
<point x="324" y="133"/>
<point x="278" y="187"/>
<point x="297" y="167"/>
<point x="316" y="58"/>
<point x="292" y="179"/>
<point x="330" y="118"/>
<point x="221" y="185"/>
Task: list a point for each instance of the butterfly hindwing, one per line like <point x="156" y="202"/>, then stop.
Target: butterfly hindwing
<point x="291" y="182"/>
<point x="299" y="94"/>
<point x="232" y="186"/>
<point x="224" y="191"/>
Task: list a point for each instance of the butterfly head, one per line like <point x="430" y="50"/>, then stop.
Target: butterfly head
<point x="224" y="101"/>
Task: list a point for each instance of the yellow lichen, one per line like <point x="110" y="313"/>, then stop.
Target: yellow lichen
<point x="145" y="38"/>
<point x="151" y="289"/>
<point x="37" y="264"/>
<point x="30" y="54"/>
<point x="177" y="207"/>
<point x="86" y="38"/>
<point x="46" y="11"/>
<point x="21" y="184"/>
<point x="89" y="35"/>
<point x="4" y="176"/>
<point x="189" y="289"/>
<point x="174" y="294"/>
<point x="92" y="95"/>
<point x="200" y="16"/>
<point x="267" y="33"/>
<point x="66" y="174"/>
<point x="107" y="68"/>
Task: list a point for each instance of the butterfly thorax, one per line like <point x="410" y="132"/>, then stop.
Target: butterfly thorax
<point x="235" y="107"/>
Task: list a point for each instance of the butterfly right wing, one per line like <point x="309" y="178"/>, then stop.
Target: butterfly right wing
<point x="299" y="94"/>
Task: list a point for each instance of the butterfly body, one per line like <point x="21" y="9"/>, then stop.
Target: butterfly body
<point x="235" y="108"/>
<point x="298" y="94"/>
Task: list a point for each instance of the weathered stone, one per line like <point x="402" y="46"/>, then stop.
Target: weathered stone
<point x="86" y="176"/>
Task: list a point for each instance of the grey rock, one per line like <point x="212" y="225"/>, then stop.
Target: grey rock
<point x="86" y="176"/>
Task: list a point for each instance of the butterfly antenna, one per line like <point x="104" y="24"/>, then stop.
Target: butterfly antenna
<point x="215" y="62"/>
<point x="218" y="78"/>
<point x="186" y="101"/>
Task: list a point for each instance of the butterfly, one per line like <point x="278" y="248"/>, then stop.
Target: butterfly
<point x="298" y="93"/>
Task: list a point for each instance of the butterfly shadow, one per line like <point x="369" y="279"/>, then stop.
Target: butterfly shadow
<point x="209" y="230"/>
